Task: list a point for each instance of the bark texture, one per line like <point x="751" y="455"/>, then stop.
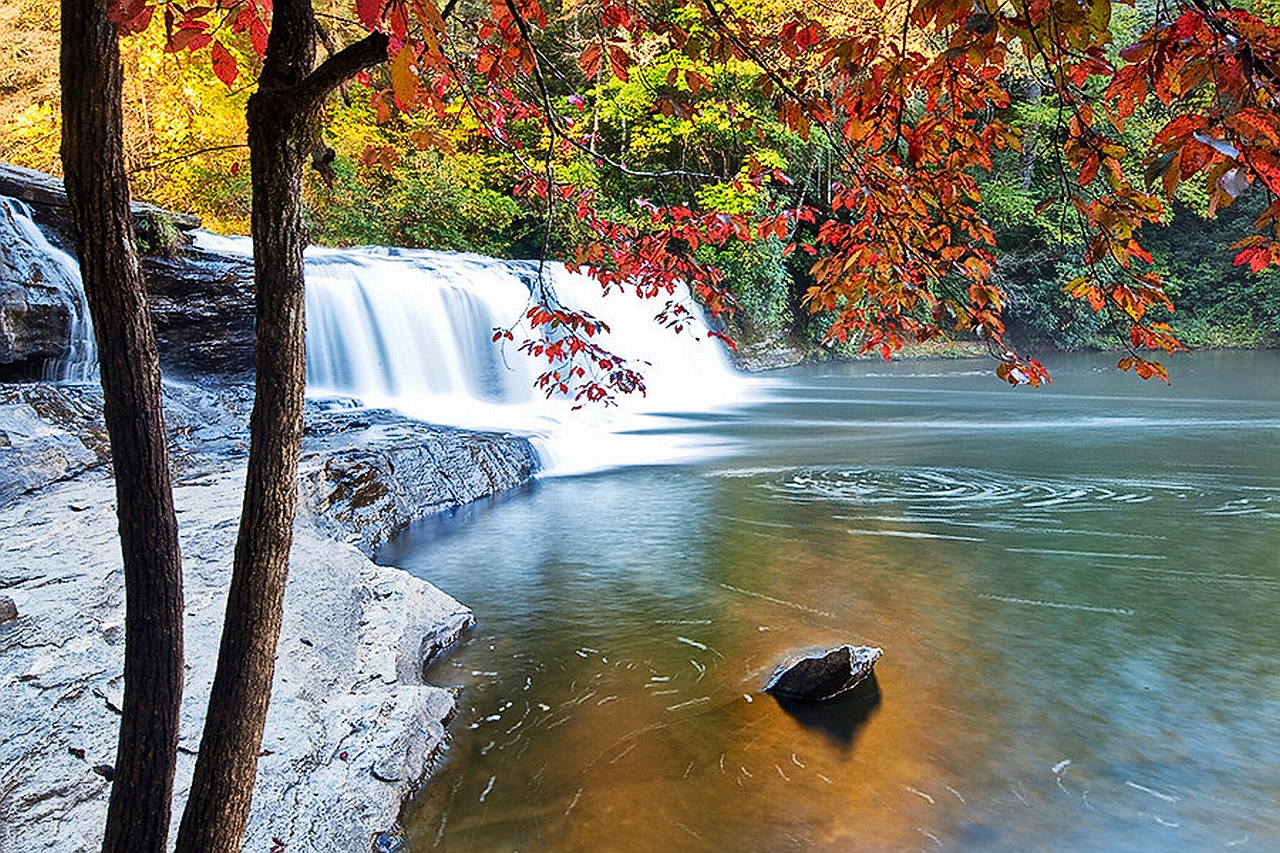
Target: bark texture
<point x="282" y="121"/>
<point x="98" y="191"/>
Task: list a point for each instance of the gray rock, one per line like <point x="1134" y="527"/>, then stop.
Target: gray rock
<point x="41" y="312"/>
<point x="8" y="610"/>
<point x="353" y="727"/>
<point x="202" y="310"/>
<point x="818" y="676"/>
<point x="34" y="453"/>
<point x="367" y="474"/>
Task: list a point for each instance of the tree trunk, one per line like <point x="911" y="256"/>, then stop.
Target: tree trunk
<point x="221" y="792"/>
<point x="98" y="191"/>
<point x="283" y="117"/>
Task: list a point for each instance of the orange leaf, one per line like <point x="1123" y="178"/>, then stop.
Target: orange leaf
<point x="404" y="81"/>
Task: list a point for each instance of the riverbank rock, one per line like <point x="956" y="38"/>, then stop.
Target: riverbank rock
<point x="367" y="474"/>
<point x="34" y="453"/>
<point x="354" y="725"/>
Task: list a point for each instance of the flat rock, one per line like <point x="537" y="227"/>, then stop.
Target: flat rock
<point x="352" y="728"/>
<point x="33" y="452"/>
<point x="368" y="474"/>
<point x="354" y="725"/>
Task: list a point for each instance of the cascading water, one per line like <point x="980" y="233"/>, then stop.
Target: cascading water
<point x="52" y="273"/>
<point x="412" y="329"/>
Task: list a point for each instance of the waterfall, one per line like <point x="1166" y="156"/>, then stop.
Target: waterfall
<point x="49" y="275"/>
<point x="412" y="329"/>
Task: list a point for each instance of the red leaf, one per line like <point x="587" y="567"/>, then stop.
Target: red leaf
<point x="589" y="60"/>
<point x="618" y="62"/>
<point x="370" y="13"/>
<point x="224" y="64"/>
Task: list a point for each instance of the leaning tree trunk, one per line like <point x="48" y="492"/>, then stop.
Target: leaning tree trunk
<point x="98" y="190"/>
<point x="282" y="117"/>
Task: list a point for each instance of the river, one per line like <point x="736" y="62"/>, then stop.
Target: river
<point x="1076" y="589"/>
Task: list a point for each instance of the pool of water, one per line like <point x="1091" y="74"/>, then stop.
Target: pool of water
<point x="1076" y="589"/>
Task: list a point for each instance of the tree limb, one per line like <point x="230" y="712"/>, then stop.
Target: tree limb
<point x="341" y="67"/>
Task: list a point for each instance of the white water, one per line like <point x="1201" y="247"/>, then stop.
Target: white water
<point x="412" y="329"/>
<point x="44" y="266"/>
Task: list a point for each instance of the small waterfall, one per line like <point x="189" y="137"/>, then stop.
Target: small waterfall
<point x="412" y="329"/>
<point x="49" y="273"/>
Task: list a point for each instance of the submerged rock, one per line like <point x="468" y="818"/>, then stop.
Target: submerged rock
<point x="818" y="676"/>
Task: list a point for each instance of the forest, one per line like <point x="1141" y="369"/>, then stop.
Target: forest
<point x="666" y="125"/>
<point x="857" y="177"/>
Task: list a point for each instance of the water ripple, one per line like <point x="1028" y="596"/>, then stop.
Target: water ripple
<point x="937" y="490"/>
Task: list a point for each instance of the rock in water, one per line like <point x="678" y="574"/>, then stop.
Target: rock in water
<point x="822" y="675"/>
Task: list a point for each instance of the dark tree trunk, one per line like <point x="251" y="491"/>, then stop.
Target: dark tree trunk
<point x="98" y="190"/>
<point x="282" y="120"/>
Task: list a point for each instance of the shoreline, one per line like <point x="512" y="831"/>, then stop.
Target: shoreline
<point x="354" y="724"/>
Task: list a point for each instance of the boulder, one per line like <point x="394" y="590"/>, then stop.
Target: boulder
<point x="822" y="675"/>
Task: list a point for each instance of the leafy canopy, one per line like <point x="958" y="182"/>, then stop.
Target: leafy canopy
<point x="857" y="137"/>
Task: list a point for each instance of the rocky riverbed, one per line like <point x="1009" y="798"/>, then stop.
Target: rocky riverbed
<point x="355" y="722"/>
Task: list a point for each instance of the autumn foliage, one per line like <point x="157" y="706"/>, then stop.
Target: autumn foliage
<point x="906" y="104"/>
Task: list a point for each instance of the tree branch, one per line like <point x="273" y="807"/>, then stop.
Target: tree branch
<point x="341" y="67"/>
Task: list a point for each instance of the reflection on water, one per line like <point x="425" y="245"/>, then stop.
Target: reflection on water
<point x="1075" y="589"/>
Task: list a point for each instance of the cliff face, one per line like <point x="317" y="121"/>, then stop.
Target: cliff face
<point x="201" y="301"/>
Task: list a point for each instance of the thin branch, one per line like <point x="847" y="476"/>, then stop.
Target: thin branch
<point x="151" y="167"/>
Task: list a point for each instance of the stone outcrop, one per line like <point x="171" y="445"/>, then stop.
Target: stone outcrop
<point x="201" y="301"/>
<point x="48" y="198"/>
<point x="354" y="724"/>
<point x="366" y="475"/>
<point x="202" y="311"/>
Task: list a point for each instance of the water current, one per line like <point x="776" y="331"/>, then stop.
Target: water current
<point x="1076" y="589"/>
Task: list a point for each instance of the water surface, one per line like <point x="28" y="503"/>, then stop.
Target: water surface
<point x="1076" y="589"/>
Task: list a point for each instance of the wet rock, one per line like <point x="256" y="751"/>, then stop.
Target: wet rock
<point x="8" y="610"/>
<point x="202" y="310"/>
<point x="822" y="675"/>
<point x="201" y="301"/>
<point x="367" y="474"/>
<point x="34" y="453"/>
<point x="391" y="841"/>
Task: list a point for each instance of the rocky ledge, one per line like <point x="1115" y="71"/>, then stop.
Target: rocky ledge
<point x="354" y="724"/>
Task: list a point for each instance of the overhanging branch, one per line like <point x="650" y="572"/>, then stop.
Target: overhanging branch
<point x="341" y="67"/>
